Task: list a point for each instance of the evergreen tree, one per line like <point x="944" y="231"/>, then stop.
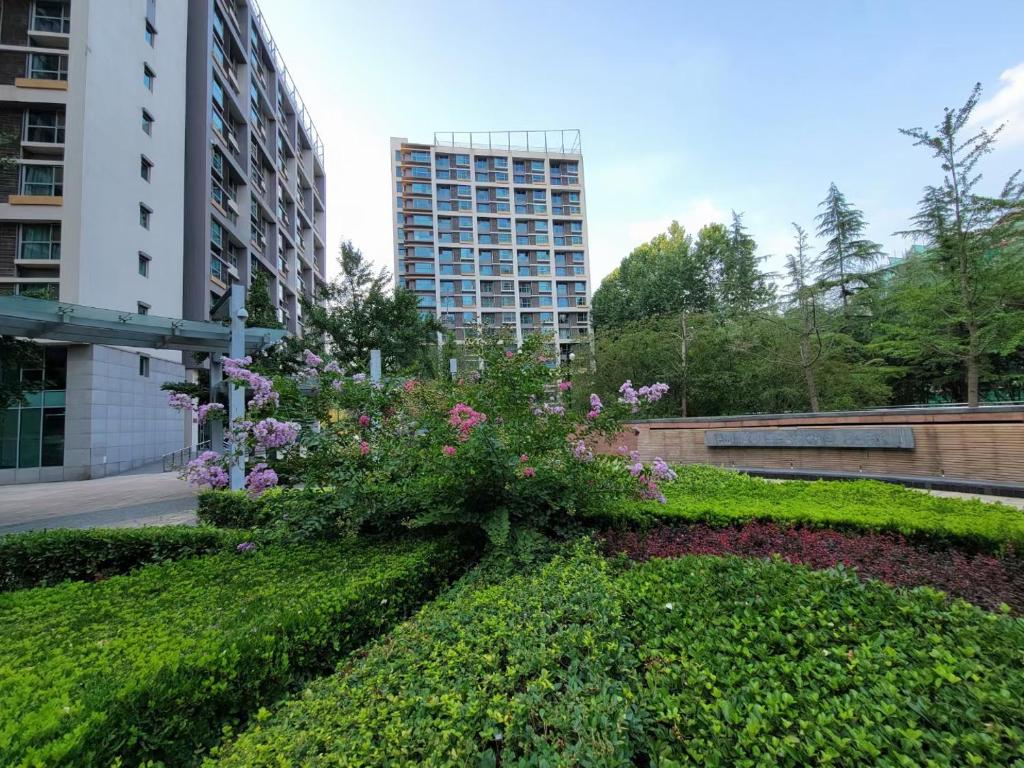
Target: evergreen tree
<point x="741" y="286"/>
<point x="801" y="268"/>
<point x="847" y="252"/>
<point x="259" y="305"/>
<point x="961" y="299"/>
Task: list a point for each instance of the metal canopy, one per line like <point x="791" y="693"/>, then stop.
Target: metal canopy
<point x="61" y="321"/>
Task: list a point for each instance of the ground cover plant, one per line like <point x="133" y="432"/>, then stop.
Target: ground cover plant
<point x="690" y="661"/>
<point x="43" y="558"/>
<point x="724" y="497"/>
<point x="152" y="665"/>
<point x="983" y="579"/>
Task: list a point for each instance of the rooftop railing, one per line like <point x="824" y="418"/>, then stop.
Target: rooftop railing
<point x="564" y="141"/>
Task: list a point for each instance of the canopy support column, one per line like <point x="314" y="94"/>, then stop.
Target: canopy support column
<point x="236" y="393"/>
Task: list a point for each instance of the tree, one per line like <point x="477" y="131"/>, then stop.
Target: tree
<point x="847" y="252"/>
<point x="663" y="276"/>
<point x="16" y="354"/>
<point x="962" y="298"/>
<point x="259" y="305"/>
<point x="741" y="286"/>
<point x="801" y="268"/>
<point x="362" y="311"/>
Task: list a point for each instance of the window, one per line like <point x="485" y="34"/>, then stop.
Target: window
<point x="45" y="126"/>
<point x="47" y="66"/>
<point x="150" y="34"/>
<point x="40" y="241"/>
<point x="144" y="215"/>
<point x="147" y="123"/>
<point x="146" y="168"/>
<point x="143" y="365"/>
<point x="144" y="264"/>
<point x="147" y="77"/>
<point x="46" y="180"/>
<point x="143" y="308"/>
<point x="51" y="16"/>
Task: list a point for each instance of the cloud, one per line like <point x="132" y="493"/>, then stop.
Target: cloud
<point x="1005" y="106"/>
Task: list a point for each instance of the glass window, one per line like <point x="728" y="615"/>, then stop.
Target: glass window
<point x="40" y="241"/>
<point x="148" y="77"/>
<point x="51" y="16"/>
<point x="46" y="180"/>
<point x="143" y="309"/>
<point x="146" y="169"/>
<point x="144" y="216"/>
<point x="150" y="34"/>
<point x="44" y="126"/>
<point x="144" y="264"/>
<point x="147" y="122"/>
<point x="143" y="365"/>
<point x="47" y="66"/>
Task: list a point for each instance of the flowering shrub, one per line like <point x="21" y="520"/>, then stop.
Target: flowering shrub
<point x="495" y="449"/>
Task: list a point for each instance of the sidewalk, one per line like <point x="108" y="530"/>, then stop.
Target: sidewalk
<point x="110" y="502"/>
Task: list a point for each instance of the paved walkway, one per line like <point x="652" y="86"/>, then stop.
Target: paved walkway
<point x="110" y="502"/>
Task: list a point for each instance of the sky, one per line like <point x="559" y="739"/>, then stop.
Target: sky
<point x="687" y="110"/>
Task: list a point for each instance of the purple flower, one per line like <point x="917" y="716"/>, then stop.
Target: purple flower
<point x="312" y="360"/>
<point x="336" y="385"/>
<point x="593" y="414"/>
<point x="205" y="411"/>
<point x="262" y="388"/>
<point x="582" y="453"/>
<point x="359" y="378"/>
<point x="595" y="403"/>
<point x="260" y="479"/>
<point x="661" y="470"/>
<point x="179" y="401"/>
<point x="332" y="367"/>
<point x="205" y="470"/>
<point x="564" y="386"/>
<point x="364" y="420"/>
<point x="271" y="433"/>
<point x="245" y="546"/>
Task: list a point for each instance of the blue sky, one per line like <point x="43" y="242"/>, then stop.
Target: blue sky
<point x="687" y="109"/>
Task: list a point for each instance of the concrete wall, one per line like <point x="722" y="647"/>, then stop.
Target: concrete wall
<point x="982" y="446"/>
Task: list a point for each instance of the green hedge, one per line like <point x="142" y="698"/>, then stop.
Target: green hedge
<point x="44" y="558"/>
<point x="293" y="513"/>
<point x="753" y="662"/>
<point x="697" y="661"/>
<point x="151" y="666"/>
<point x="536" y="669"/>
<point x="723" y="497"/>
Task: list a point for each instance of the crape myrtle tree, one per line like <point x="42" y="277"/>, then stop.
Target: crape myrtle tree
<point x="960" y="301"/>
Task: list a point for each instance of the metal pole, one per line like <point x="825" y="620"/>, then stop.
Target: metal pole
<point x="216" y="425"/>
<point x="375" y="374"/>
<point x="236" y="396"/>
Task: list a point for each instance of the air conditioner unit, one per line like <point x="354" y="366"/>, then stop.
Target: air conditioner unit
<point x="233" y="271"/>
<point x="232" y="205"/>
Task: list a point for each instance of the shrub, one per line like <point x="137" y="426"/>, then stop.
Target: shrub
<point x="534" y="670"/>
<point x="151" y="666"/>
<point x="753" y="662"/>
<point x="724" y="497"/>
<point x="42" y="558"/>
<point x="230" y="509"/>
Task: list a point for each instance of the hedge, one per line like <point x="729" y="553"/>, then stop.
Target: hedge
<point x="723" y="497"/>
<point x="536" y="669"/>
<point x="757" y="662"/>
<point x="153" y="665"/>
<point x="696" y="661"/>
<point x="44" y="558"/>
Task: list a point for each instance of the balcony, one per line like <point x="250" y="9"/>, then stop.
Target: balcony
<point x="39" y="184"/>
<point x="50" y="25"/>
<point x="47" y="71"/>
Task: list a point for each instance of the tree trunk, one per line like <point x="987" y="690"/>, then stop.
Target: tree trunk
<point x="973" y="365"/>
<point x="808" y="368"/>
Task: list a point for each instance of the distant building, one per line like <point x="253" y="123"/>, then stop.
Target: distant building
<point x="150" y="153"/>
<point x="491" y="232"/>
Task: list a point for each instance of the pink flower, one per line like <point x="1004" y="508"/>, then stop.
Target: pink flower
<point x="529" y="471"/>
<point x="564" y="386"/>
<point x="206" y="471"/>
<point x="593" y="415"/>
<point x="271" y="433"/>
<point x="179" y="401"/>
<point x="464" y="418"/>
<point x="409" y="385"/>
<point x="364" y="420"/>
<point x="523" y="459"/>
<point x="509" y="353"/>
<point x="205" y="411"/>
<point x="448" y="450"/>
<point x="364" y="448"/>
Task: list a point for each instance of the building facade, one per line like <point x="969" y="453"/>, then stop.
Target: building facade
<point x="103" y="203"/>
<point x="491" y="232"/>
<point x="254" y="166"/>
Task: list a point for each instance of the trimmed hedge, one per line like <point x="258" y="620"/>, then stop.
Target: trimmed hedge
<point x="755" y="662"/>
<point x="535" y="670"/>
<point x="724" y="497"/>
<point x="44" y="558"/>
<point x="697" y="661"/>
<point x="152" y="666"/>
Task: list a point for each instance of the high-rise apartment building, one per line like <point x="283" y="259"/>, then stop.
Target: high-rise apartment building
<point x="254" y="166"/>
<point x="150" y="153"/>
<point x="491" y="232"/>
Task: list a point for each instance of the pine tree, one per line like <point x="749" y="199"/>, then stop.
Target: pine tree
<point x="847" y="252"/>
<point x="742" y="287"/>
<point x="259" y="305"/>
<point x="803" y="299"/>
